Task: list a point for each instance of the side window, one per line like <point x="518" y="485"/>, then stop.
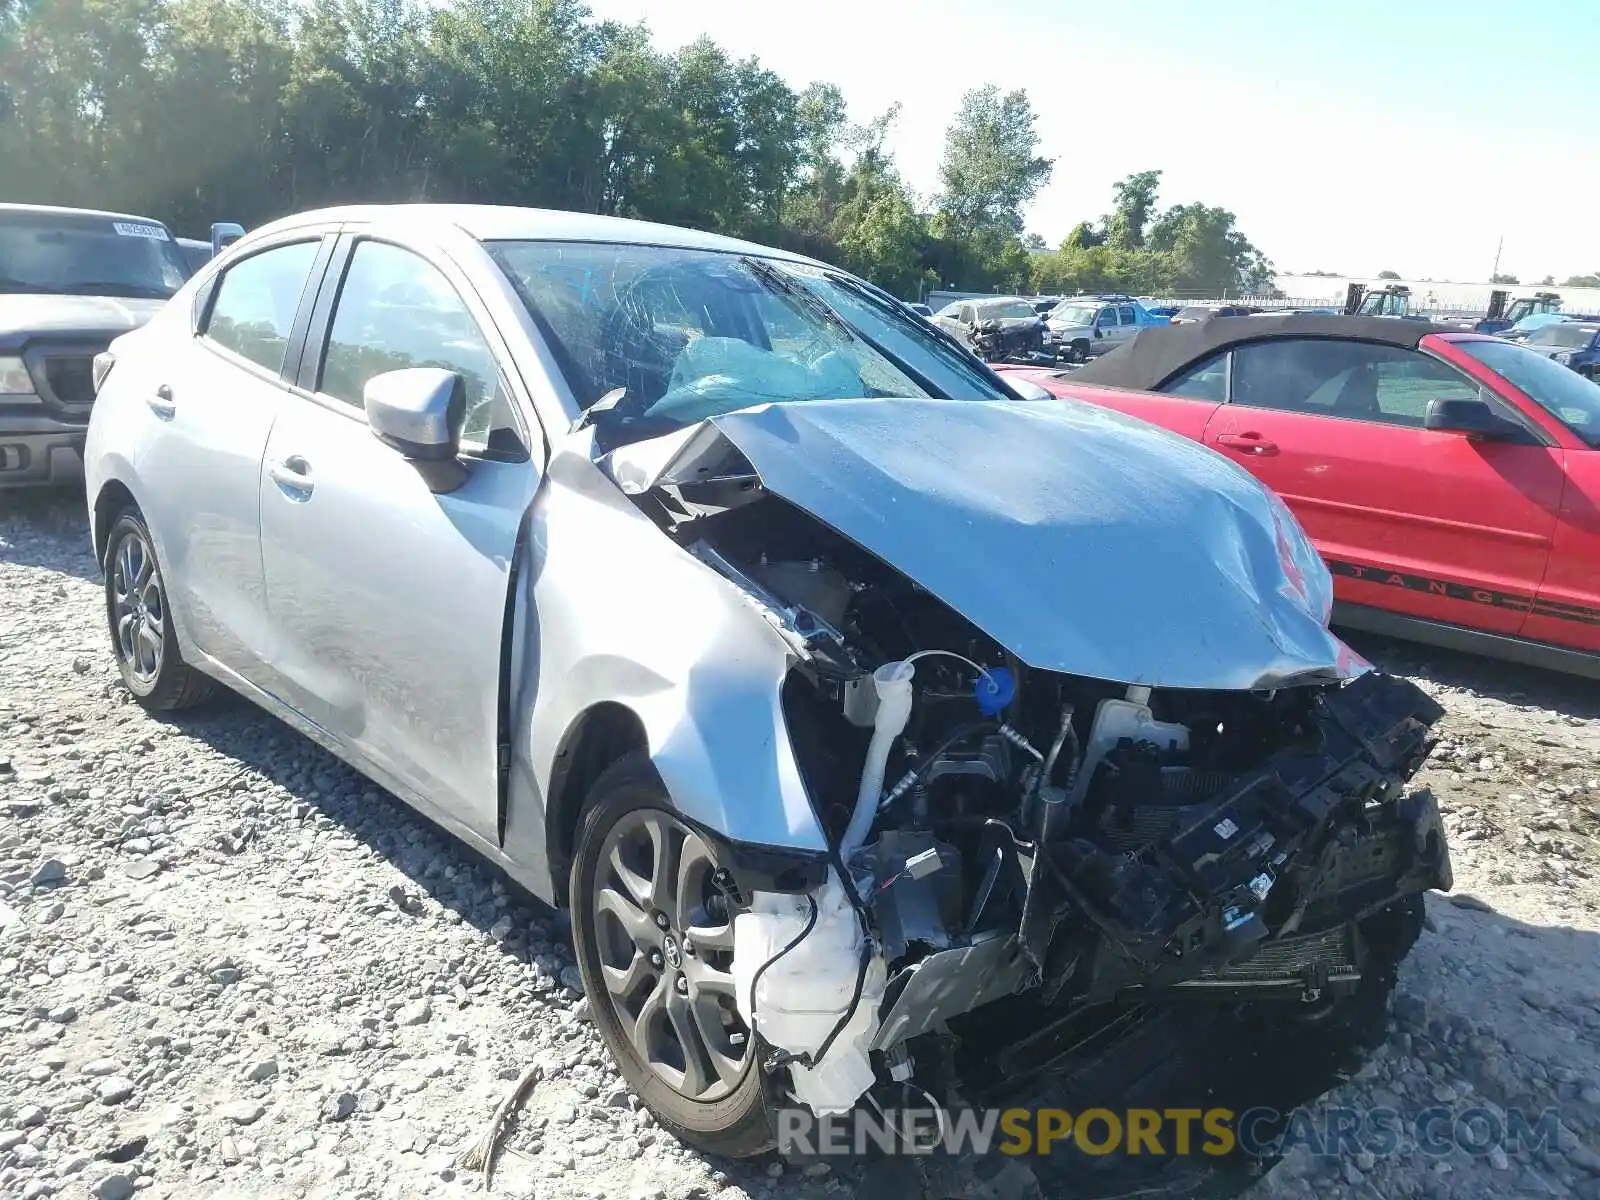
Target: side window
<point x="396" y="310"/>
<point x="1126" y="313"/>
<point x="256" y="301"/>
<point x="1107" y="318"/>
<point x="1207" y="381"/>
<point x="1360" y="381"/>
<point x="967" y="314"/>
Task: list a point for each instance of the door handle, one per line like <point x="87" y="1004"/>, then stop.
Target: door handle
<point x="161" y="403"/>
<point x="1249" y="443"/>
<point x="293" y="476"/>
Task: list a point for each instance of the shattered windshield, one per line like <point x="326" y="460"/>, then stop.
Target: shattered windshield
<point x="1006" y="310"/>
<point x="82" y="254"/>
<point x="670" y="336"/>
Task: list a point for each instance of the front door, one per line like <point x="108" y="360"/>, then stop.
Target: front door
<point x="1425" y="523"/>
<point x="1107" y="329"/>
<point x="390" y="601"/>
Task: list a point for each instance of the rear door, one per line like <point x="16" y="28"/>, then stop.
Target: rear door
<point x="1127" y="322"/>
<point x="1428" y="524"/>
<point x="1184" y="404"/>
<point x="211" y="404"/>
<point x="389" y="601"/>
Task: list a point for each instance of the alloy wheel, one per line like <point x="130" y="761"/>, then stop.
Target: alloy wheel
<point x="138" y="607"/>
<point x="665" y="937"/>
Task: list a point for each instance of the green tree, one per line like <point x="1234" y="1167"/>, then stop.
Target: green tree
<point x="991" y="167"/>
<point x="1208" y="252"/>
<point x="1585" y="281"/>
<point x="1504" y="278"/>
<point x="1388" y="274"/>
<point x="1133" y="201"/>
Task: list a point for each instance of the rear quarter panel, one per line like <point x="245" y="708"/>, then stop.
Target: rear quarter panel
<point x="1177" y="413"/>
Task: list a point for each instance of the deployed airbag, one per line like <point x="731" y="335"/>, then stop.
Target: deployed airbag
<point x="716" y="375"/>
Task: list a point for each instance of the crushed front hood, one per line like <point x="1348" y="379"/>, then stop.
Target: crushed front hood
<point x="1081" y="540"/>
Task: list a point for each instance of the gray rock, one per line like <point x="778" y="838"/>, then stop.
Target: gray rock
<point x="30" y="1115"/>
<point x="241" y="1112"/>
<point x="338" y="1107"/>
<point x="102" y="1067"/>
<point x="116" y="1186"/>
<point x="262" y="1071"/>
<point x="1531" y="1183"/>
<point x="115" y="1089"/>
<point x="52" y="872"/>
<point x="417" y="1012"/>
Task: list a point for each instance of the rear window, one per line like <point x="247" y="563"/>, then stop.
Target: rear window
<point x="1005" y="309"/>
<point x="81" y="254"/>
<point x="1562" y="335"/>
<point x="1194" y="313"/>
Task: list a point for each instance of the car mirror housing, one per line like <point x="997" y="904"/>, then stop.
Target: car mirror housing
<point x="419" y="412"/>
<point x="1473" y="418"/>
<point x="223" y="235"/>
<point x="1028" y="389"/>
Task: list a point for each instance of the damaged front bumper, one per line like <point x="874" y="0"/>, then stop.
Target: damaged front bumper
<point x="1276" y="882"/>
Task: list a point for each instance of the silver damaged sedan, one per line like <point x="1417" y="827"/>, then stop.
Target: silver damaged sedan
<point x="883" y="727"/>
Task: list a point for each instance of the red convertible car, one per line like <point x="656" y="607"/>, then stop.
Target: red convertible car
<point x="1450" y="480"/>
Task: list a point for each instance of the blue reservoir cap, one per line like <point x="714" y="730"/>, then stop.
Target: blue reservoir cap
<point x="994" y="690"/>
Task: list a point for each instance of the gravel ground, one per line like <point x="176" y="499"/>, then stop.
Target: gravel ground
<point x="231" y="967"/>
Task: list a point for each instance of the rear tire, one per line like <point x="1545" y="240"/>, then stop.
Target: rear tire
<point x="143" y="639"/>
<point x="618" y="934"/>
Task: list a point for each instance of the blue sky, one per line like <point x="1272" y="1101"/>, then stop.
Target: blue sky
<point x="1352" y="136"/>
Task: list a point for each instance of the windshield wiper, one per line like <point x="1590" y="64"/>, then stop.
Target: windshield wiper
<point x="8" y="284"/>
<point x="941" y="342"/>
<point x="773" y="277"/>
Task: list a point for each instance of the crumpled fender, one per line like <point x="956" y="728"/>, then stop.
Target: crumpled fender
<point x="615" y="612"/>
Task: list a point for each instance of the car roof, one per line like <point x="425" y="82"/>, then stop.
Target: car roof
<point x="1158" y="352"/>
<point x="56" y="210"/>
<point x="496" y="222"/>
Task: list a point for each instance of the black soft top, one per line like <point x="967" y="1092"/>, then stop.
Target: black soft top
<point x="1156" y="354"/>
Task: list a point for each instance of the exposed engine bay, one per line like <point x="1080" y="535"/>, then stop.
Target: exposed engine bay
<point x="1004" y="831"/>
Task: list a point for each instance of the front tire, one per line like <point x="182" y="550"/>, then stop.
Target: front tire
<point x="1080" y="351"/>
<point x="654" y="942"/>
<point x="139" y="618"/>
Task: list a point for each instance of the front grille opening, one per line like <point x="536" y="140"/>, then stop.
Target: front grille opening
<point x="71" y="378"/>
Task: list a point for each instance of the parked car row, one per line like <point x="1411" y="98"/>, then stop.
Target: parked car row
<point x="872" y="713"/>
<point x="1447" y="478"/>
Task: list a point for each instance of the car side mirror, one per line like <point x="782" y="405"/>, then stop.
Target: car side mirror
<point x="223" y="235"/>
<point x="1471" y="417"/>
<point x="1027" y="388"/>
<point x="419" y="412"/>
